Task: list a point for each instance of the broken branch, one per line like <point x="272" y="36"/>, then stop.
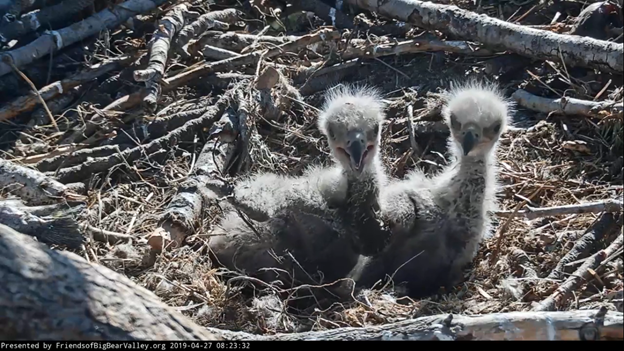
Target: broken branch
<point x="568" y="106"/>
<point x="91" y="302"/>
<point x="530" y="42"/>
<point x="592" y="207"/>
<point x="214" y="19"/>
<point x="228" y="64"/>
<point x="582" y="274"/>
<point x="167" y="28"/>
<point x="58" y="39"/>
<point x="582" y="248"/>
<point x="99" y="164"/>
<point x="28" y="102"/>
<point x="32" y="186"/>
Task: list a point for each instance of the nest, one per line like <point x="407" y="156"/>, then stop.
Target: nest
<point x="130" y="142"/>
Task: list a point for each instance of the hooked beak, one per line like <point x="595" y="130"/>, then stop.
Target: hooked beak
<point x="469" y="140"/>
<point x="356" y="148"/>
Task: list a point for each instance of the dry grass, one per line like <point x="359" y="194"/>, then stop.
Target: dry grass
<point x="536" y="161"/>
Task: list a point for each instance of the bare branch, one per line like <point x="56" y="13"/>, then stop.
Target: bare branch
<point x="58" y="39"/>
<point x="31" y="21"/>
<point x="568" y="106"/>
<point x="583" y="246"/>
<point x="592" y="207"/>
<point x="31" y="185"/>
<point x="583" y="274"/>
<point x="29" y="102"/>
<point x="530" y="42"/>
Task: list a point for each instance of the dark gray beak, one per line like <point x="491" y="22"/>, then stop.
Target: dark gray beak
<point x="356" y="147"/>
<point x="469" y="141"/>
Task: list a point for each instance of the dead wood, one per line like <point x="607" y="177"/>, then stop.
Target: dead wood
<point x="214" y="19"/>
<point x="530" y="42"/>
<point x="569" y="106"/>
<point x="40" y="116"/>
<point x="166" y="30"/>
<point x="54" y="229"/>
<point x="17" y="7"/>
<point x="329" y="14"/>
<point x="185" y="132"/>
<point x="236" y="42"/>
<point x="584" y="273"/>
<point x="611" y="205"/>
<point x="50" y="91"/>
<point x="523" y="267"/>
<point x="156" y="128"/>
<point x="32" y="186"/>
<point x="359" y="48"/>
<point x="569" y="325"/>
<point x="184" y="211"/>
<point x="31" y="21"/>
<point x="75" y="157"/>
<point x="129" y="101"/>
<point x="63" y="297"/>
<point x="214" y="53"/>
<point x="313" y="80"/>
<point x="106" y="236"/>
<point x="58" y="39"/>
<point x="90" y="302"/>
<point x="584" y="246"/>
<point x="265" y="83"/>
<point x="593" y="21"/>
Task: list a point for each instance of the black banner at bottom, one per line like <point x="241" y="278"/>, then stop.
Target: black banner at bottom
<point x="127" y="345"/>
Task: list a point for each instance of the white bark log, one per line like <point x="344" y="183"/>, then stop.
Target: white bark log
<point x="530" y="42"/>
<point x="568" y="106"/>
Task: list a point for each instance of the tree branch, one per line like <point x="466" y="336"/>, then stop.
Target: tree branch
<point x="591" y="207"/>
<point x="530" y="42"/>
<point x="63" y="297"/>
<point x="568" y="106"/>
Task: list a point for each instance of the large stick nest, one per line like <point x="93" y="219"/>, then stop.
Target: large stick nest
<point x="87" y="136"/>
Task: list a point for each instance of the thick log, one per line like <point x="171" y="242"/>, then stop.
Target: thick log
<point x="53" y="229"/>
<point x="525" y="41"/>
<point x="51" y="295"/>
<point x="570" y="325"/>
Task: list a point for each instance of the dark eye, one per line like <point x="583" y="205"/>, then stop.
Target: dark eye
<point x="376" y="129"/>
<point x="454" y="123"/>
<point x="496" y="127"/>
<point x="331" y="133"/>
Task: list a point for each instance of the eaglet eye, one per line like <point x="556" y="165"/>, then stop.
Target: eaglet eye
<point x="496" y="128"/>
<point x="454" y="123"/>
<point x="331" y="133"/>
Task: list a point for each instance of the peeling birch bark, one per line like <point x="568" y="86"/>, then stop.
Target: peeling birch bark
<point x="530" y="42"/>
